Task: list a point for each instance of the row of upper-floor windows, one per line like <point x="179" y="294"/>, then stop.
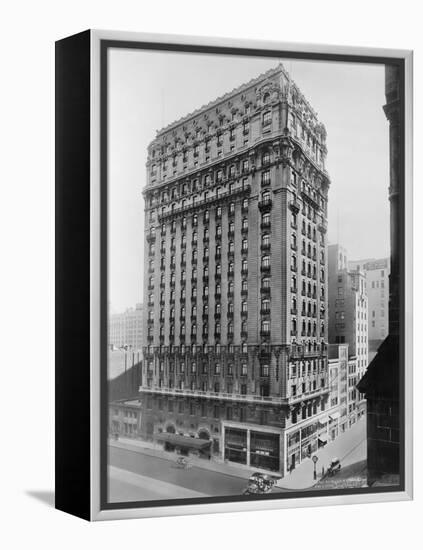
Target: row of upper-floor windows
<point x="307" y="287"/>
<point x="172" y="294"/>
<point x="194" y="328"/>
<point x="265" y="327"/>
<point x="231" y="171"/>
<point x="194" y="219"/>
<point x="265" y="307"/>
<point x="306" y="367"/>
<point x="194" y="273"/>
<point x="308" y="328"/>
<point x="194" y="255"/>
<point x="216" y="368"/>
<point x="206" y="136"/>
<point x="205" y="348"/>
<point x="308" y="308"/>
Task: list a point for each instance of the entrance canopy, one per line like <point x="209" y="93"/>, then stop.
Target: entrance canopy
<point x="183" y="441"/>
<point x="334" y="415"/>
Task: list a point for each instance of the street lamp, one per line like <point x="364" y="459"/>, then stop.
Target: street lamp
<point x="315" y="459"/>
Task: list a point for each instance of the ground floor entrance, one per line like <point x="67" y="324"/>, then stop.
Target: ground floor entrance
<point x="251" y="447"/>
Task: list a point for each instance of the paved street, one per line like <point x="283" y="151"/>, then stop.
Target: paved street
<point x="350" y="447"/>
<point x="163" y="471"/>
<point x="138" y="473"/>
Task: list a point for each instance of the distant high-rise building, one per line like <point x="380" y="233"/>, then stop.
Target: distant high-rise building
<point x="348" y="320"/>
<point x="125" y="329"/>
<point x="235" y="277"/>
<point x="377" y="278"/>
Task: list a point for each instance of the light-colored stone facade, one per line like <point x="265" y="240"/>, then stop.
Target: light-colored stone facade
<point x="125" y="329"/>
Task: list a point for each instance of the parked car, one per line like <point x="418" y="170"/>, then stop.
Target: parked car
<point x="334" y="466"/>
<point x="259" y="483"/>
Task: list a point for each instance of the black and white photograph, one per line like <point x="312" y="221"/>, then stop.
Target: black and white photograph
<point x="210" y="275"/>
<point x="254" y="276"/>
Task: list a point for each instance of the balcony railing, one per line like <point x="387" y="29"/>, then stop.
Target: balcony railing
<point x="308" y="395"/>
<point x="265" y="205"/>
<point x="210" y="200"/>
<point x="246" y="398"/>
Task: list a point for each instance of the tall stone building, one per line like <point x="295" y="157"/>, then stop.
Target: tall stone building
<point x="235" y="319"/>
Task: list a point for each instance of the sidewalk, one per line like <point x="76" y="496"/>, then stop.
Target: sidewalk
<point x="350" y="447"/>
<point x="156" y="450"/>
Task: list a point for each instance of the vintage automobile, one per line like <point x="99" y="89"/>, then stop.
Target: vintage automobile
<point x="334" y="466"/>
<point x="259" y="483"/>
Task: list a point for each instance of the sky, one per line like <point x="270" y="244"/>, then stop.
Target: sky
<point x="148" y="90"/>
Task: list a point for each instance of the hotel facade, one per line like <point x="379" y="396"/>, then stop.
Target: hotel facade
<point x="235" y="289"/>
